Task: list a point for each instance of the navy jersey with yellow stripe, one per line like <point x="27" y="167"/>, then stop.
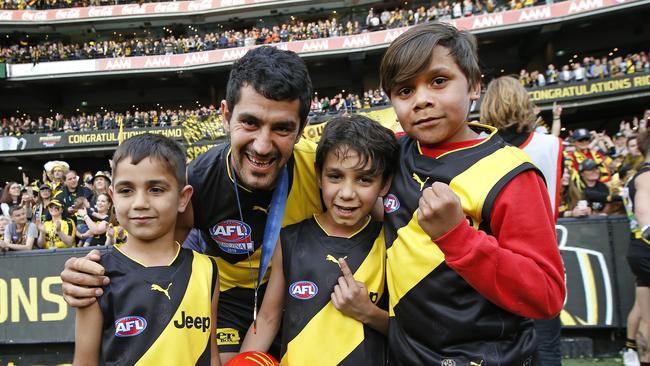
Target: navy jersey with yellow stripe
<point x="157" y="315"/>
<point x="314" y="332"/>
<point x="435" y="315"/>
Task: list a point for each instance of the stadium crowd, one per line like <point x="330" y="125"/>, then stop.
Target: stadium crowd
<point x="66" y="209"/>
<point x="107" y="120"/>
<point x="63" y="210"/>
<point x="62" y="4"/>
<point x="596" y="168"/>
<point x="34" y="51"/>
<point x="590" y="68"/>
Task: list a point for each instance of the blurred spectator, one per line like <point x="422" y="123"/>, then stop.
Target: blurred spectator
<point x="70" y="191"/>
<point x="4" y="222"/>
<point x="41" y="213"/>
<point x="58" y="232"/>
<point x="570" y="195"/>
<point x="584" y="150"/>
<point x="99" y="183"/>
<point x="20" y="234"/>
<point x="595" y="192"/>
<point x="634" y="158"/>
<point x="11" y="196"/>
<point x="97" y="219"/>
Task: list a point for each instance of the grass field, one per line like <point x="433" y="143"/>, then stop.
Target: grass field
<point x="592" y="361"/>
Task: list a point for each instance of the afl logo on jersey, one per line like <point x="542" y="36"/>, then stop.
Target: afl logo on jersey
<point x="391" y="203"/>
<point x="130" y="326"/>
<point x="303" y="290"/>
<point x="233" y="236"/>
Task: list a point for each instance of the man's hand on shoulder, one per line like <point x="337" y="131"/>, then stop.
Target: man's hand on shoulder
<point x="82" y="280"/>
<point x="439" y="211"/>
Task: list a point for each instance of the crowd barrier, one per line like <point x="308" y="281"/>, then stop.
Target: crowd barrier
<point x="600" y="286"/>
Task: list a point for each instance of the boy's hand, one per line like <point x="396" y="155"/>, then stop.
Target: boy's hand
<point x="350" y="296"/>
<point x="82" y="280"/>
<point x="439" y="210"/>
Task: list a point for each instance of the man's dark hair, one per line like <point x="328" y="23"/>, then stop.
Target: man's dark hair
<point x="157" y="147"/>
<point x="275" y="74"/>
<point x="410" y="54"/>
<point x="372" y="141"/>
<point x="15" y="208"/>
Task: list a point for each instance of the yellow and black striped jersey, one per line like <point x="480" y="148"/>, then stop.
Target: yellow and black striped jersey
<point x="157" y="315"/>
<point x="314" y="332"/>
<point x="436" y="317"/>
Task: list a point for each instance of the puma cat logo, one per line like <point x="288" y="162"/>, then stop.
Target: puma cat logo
<point x="418" y="180"/>
<point x="332" y="259"/>
<point x="155" y="287"/>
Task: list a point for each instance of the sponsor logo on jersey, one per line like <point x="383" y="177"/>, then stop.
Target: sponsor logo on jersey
<point x="303" y="290"/>
<point x="233" y="236"/>
<point x="391" y="203"/>
<point x="226" y="336"/>
<point x="198" y="322"/>
<point x="130" y="326"/>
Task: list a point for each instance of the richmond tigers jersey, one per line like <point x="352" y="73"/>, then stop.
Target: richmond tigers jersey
<point x="157" y="315"/>
<point x="436" y="317"/>
<point x="217" y="216"/>
<point x="314" y="332"/>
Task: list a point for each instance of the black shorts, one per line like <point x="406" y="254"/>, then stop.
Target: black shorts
<point x="235" y="316"/>
<point x="638" y="257"/>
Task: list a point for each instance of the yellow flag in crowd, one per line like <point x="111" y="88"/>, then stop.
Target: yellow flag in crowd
<point x="120" y="133"/>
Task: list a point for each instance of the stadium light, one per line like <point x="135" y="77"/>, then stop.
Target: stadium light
<point x="20" y="168"/>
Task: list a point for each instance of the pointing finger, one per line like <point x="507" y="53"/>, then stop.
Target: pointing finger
<point x="347" y="273"/>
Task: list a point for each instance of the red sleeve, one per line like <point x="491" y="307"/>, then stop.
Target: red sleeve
<point x="519" y="268"/>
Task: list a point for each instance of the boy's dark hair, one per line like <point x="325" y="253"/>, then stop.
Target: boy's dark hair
<point x="372" y="141"/>
<point x="410" y="54"/>
<point x="156" y="147"/>
<point x="275" y="74"/>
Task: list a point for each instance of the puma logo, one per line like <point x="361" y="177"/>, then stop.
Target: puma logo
<point x="332" y="259"/>
<point x="155" y="287"/>
<point x="260" y="208"/>
<point x="417" y="179"/>
<point x="472" y="363"/>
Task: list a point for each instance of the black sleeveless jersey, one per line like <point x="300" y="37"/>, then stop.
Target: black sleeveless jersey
<point x="157" y="315"/>
<point x="436" y="317"/>
<point x="314" y="332"/>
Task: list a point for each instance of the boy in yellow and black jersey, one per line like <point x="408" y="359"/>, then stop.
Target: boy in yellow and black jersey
<point x="331" y="319"/>
<point x="160" y="305"/>
<point x="471" y="247"/>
